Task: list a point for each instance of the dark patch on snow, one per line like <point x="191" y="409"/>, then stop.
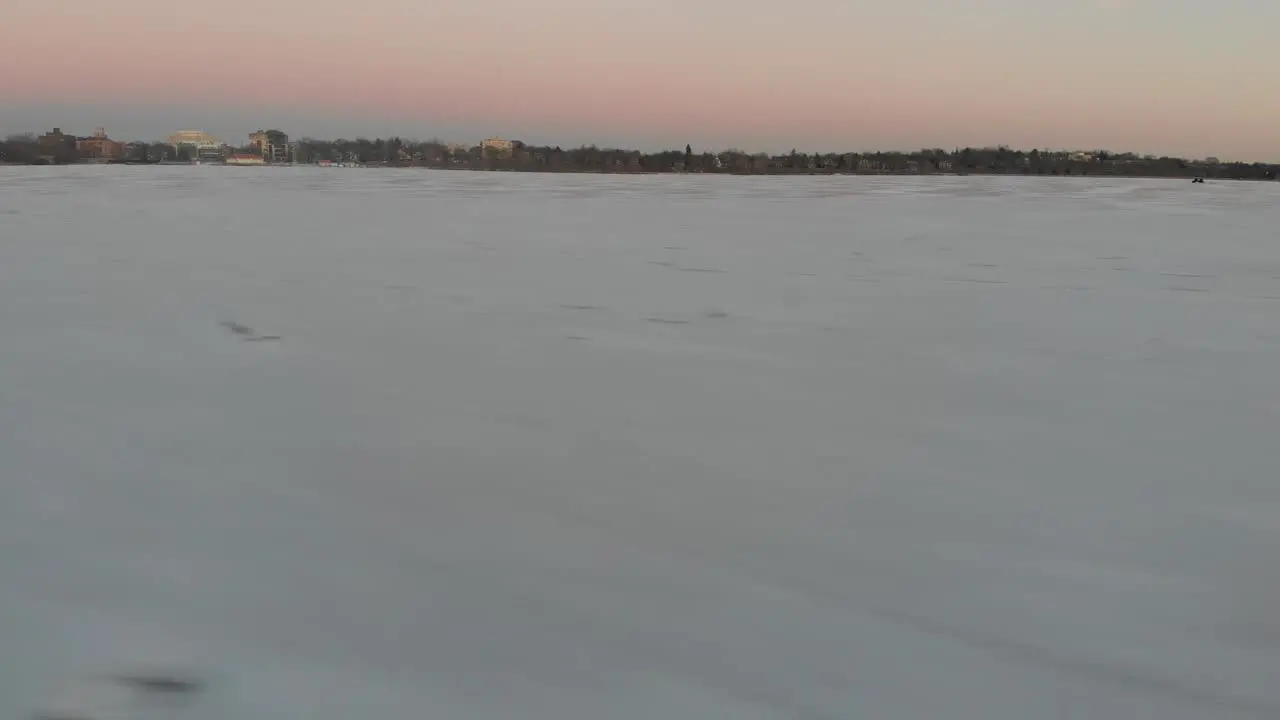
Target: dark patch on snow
<point x="248" y="333"/>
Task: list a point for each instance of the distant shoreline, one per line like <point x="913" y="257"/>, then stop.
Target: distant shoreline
<point x="273" y="147"/>
<point x="781" y="172"/>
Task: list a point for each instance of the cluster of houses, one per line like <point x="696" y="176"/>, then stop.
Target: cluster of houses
<point x="265" y="147"/>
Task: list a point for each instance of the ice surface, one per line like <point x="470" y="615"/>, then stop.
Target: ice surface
<point x="561" y="447"/>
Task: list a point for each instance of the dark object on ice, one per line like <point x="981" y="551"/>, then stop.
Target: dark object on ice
<point x="119" y="696"/>
<point x="248" y="333"/>
<point x="237" y="328"/>
<point x="1197" y="180"/>
<point x="161" y="684"/>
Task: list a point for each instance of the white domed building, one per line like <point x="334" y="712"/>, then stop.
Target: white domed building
<point x="204" y="146"/>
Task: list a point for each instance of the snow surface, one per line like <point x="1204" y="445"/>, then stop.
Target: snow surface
<point x="562" y="447"/>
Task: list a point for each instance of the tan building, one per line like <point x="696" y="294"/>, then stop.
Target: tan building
<point x="99" y="146"/>
<point x="497" y="146"/>
<point x="246" y="159"/>
<point x="193" y="137"/>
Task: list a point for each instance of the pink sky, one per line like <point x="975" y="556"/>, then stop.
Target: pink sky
<point x="1180" y="76"/>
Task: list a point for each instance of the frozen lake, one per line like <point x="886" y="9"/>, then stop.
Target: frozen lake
<point x="585" y="447"/>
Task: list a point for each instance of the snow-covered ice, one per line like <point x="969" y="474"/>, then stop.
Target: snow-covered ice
<point x="582" y="447"/>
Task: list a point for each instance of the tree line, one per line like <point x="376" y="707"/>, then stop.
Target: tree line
<point x="1000" y="160"/>
<point x="997" y="160"/>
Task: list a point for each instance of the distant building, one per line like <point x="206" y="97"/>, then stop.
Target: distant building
<point x="99" y="146"/>
<point x="137" y="151"/>
<point x="51" y="142"/>
<point x="271" y="145"/>
<point x="193" y="137"/>
<point x="246" y="159"/>
<point x="202" y="145"/>
<point x="498" y="146"/>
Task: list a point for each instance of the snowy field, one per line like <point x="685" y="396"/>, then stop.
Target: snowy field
<point x="596" y="448"/>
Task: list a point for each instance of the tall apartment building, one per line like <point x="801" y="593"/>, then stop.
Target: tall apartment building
<point x="272" y="145"/>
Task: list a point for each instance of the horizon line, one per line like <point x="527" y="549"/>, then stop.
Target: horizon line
<point x="437" y="140"/>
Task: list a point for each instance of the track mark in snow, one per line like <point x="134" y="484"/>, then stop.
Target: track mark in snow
<point x="979" y="281"/>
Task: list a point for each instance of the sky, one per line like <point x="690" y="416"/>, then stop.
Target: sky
<point x="1185" y="77"/>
